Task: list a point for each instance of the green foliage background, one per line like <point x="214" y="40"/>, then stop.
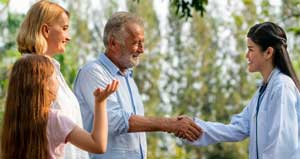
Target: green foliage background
<point x="201" y="73"/>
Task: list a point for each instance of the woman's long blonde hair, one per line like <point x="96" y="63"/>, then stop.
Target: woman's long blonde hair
<point x="24" y="130"/>
<point x="30" y="38"/>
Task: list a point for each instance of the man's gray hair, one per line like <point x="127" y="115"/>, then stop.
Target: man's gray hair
<point x="115" y="26"/>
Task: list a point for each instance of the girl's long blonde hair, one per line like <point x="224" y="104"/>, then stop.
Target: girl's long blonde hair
<point x="24" y="130"/>
<point x="30" y="38"/>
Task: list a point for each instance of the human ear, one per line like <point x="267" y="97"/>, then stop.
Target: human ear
<point x="45" y="30"/>
<point x="113" y="43"/>
<point x="269" y="53"/>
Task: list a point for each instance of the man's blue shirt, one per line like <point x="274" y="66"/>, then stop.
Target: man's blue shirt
<point x="125" y="102"/>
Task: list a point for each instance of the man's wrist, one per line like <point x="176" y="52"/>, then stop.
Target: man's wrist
<point x="168" y="125"/>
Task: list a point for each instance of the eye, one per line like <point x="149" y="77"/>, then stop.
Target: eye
<point x="137" y="43"/>
<point x="65" y="28"/>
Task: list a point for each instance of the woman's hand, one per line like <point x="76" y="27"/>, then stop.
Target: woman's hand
<point x="101" y="95"/>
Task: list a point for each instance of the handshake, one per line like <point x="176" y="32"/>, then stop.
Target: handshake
<point x="184" y="127"/>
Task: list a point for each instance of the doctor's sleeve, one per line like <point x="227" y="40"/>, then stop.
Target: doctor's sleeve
<point x="215" y="132"/>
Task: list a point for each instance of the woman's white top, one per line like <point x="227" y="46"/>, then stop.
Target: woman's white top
<point x="68" y="104"/>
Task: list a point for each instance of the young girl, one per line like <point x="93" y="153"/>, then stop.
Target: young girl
<point x="31" y="128"/>
<point x="272" y="118"/>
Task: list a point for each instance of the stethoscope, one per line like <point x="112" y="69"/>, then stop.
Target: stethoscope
<point x="260" y="97"/>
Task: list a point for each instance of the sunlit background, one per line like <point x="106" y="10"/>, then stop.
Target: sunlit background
<point x="194" y="66"/>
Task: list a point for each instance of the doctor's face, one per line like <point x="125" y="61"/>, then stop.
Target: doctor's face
<point x="254" y="57"/>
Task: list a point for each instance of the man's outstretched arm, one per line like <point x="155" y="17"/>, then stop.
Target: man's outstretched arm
<point x="184" y="126"/>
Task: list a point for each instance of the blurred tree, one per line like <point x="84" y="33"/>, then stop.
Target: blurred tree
<point x="291" y="18"/>
<point x="9" y="24"/>
<point x="184" y="8"/>
<point x="200" y="82"/>
<point x="201" y="73"/>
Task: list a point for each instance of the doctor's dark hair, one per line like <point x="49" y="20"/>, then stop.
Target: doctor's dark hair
<point x="269" y="34"/>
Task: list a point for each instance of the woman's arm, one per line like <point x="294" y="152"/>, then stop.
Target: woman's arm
<point x="215" y="132"/>
<point x="96" y="141"/>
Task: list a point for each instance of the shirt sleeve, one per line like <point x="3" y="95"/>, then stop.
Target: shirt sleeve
<point x="62" y="126"/>
<point x="215" y="132"/>
<point x="282" y="134"/>
<point x="90" y="79"/>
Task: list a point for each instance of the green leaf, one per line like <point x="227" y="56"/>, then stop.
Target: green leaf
<point x="4" y="1"/>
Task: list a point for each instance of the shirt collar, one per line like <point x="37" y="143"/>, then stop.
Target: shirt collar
<point x="53" y="60"/>
<point x="55" y="63"/>
<point x="274" y="73"/>
<point x="112" y="68"/>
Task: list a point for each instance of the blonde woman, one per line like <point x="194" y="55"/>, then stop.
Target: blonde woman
<point x="45" y="31"/>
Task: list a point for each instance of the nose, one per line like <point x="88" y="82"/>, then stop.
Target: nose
<point x="247" y="54"/>
<point x="141" y="47"/>
<point x="68" y="37"/>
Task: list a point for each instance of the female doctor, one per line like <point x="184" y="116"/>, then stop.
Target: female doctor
<point x="271" y="119"/>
